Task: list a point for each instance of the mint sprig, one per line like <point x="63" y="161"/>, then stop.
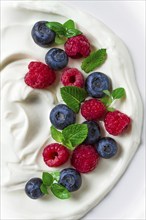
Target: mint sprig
<point x="73" y="97"/>
<point x="60" y="191"/>
<point x="94" y="60"/>
<point x="71" y="136"/>
<point x="110" y="97"/>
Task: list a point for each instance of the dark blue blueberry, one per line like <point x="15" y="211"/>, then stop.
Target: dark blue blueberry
<point x="32" y="188"/>
<point x="61" y="116"/>
<point x="42" y="35"/>
<point x="93" y="132"/>
<point x="70" y="179"/>
<point x="106" y="147"/>
<point x="56" y="58"/>
<point x="95" y="84"/>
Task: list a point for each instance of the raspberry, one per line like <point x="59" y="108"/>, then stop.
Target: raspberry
<point x="39" y="76"/>
<point x="116" y="122"/>
<point x="77" y="46"/>
<point x="55" y="155"/>
<point x="85" y="158"/>
<point x="93" y="109"/>
<point x="72" y="77"/>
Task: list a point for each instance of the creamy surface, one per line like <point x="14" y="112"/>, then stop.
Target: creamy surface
<point x="25" y="113"/>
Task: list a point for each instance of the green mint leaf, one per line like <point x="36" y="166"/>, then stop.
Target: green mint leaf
<point x="47" y="179"/>
<point x="56" y="135"/>
<point x="111" y="109"/>
<point x="44" y="189"/>
<point x="55" y="175"/>
<point x="56" y="27"/>
<point x="73" y="96"/>
<point x="60" y="39"/>
<point x="94" y="60"/>
<point x="72" y="32"/>
<point x="69" y="24"/>
<point x="107" y="92"/>
<point x="60" y="191"/>
<point x="106" y="100"/>
<point x="75" y="133"/>
<point x="118" y="93"/>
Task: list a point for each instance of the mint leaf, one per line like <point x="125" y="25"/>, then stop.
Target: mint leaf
<point x="69" y="24"/>
<point x="60" y="39"/>
<point x="47" y="179"/>
<point x="60" y="191"/>
<point x="75" y="133"/>
<point x="118" y="93"/>
<point x="73" y="96"/>
<point x="56" y="27"/>
<point x="94" y="60"/>
<point x="110" y="109"/>
<point x="44" y="189"/>
<point x="107" y="92"/>
<point x="72" y="32"/>
<point x="106" y="100"/>
<point x="55" y="175"/>
<point x="56" y="135"/>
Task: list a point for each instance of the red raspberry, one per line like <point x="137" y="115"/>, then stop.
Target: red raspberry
<point x="93" y="109"/>
<point x="116" y="122"/>
<point x="84" y="158"/>
<point x="77" y="46"/>
<point x="55" y="155"/>
<point x="39" y="76"/>
<point x="72" y="77"/>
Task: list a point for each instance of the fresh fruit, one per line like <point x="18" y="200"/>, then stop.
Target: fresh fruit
<point x="93" y="132"/>
<point x="56" y="58"/>
<point x="61" y="116"/>
<point x="93" y="109"/>
<point x="32" y="188"/>
<point x="42" y="35"/>
<point x="116" y="122"/>
<point x="72" y="77"/>
<point x="95" y="84"/>
<point x="106" y="147"/>
<point x="55" y="155"/>
<point x="84" y="158"/>
<point x="70" y="179"/>
<point x="40" y="75"/>
<point x="77" y="46"/>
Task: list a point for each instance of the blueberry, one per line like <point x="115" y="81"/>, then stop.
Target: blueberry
<point x="95" y="84"/>
<point x="70" y="179"/>
<point x="93" y="132"/>
<point x="106" y="147"/>
<point x="56" y="58"/>
<point x="42" y="35"/>
<point x="32" y="188"/>
<point x="61" y="116"/>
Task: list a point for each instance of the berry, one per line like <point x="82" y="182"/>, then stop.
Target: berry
<point x="77" y="46"/>
<point x="84" y="158"/>
<point x="61" y="116"/>
<point x="39" y="76"/>
<point x="93" y="109"/>
<point x="95" y="84"/>
<point x="70" y="179"/>
<point x="32" y="188"/>
<point x="116" y="122"/>
<point x="56" y="58"/>
<point x="55" y="155"/>
<point x="93" y="132"/>
<point x="42" y="35"/>
<point x="72" y="77"/>
<point x="106" y="147"/>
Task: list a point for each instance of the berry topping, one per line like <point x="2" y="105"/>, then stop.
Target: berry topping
<point x="61" y="116"/>
<point x="70" y="179"/>
<point x="106" y="147"/>
<point x="72" y="77"/>
<point x="32" y="188"/>
<point x="42" y="35"/>
<point x="56" y="58"/>
<point x="39" y="76"/>
<point x="77" y="46"/>
<point x="93" y="132"/>
<point x="95" y="84"/>
<point x="116" y="122"/>
<point x="55" y="155"/>
<point x="84" y="158"/>
<point x="93" y="109"/>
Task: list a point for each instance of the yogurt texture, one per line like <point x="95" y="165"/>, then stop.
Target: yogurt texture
<point x="25" y="112"/>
